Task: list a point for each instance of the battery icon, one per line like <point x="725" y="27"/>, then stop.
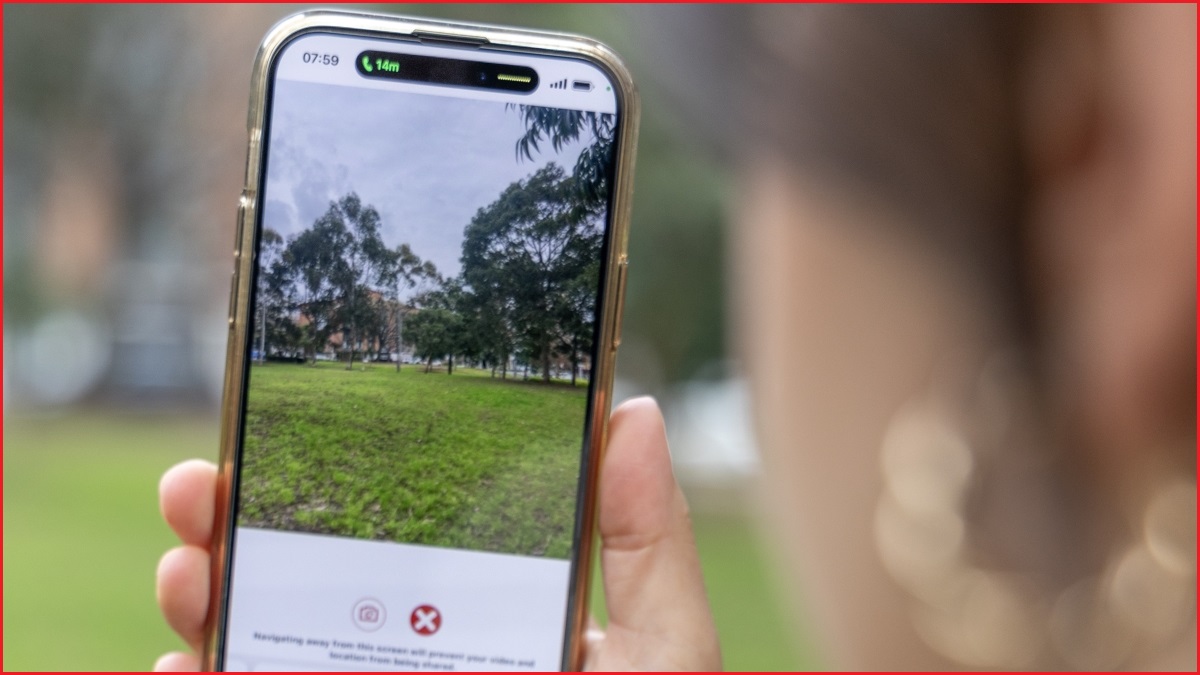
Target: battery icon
<point x="581" y="85"/>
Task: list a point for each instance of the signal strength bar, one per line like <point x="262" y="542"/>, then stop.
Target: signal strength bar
<point x="561" y="84"/>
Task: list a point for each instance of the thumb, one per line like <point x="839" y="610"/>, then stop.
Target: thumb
<point x="653" y="587"/>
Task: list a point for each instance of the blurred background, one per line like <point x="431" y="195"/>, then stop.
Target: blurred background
<point x="124" y="145"/>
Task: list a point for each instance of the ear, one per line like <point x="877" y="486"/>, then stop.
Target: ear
<point x="1109" y="124"/>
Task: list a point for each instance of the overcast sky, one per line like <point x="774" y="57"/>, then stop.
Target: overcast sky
<point x="426" y="163"/>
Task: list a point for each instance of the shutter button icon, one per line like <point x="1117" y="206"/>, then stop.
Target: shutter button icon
<point x="369" y="614"/>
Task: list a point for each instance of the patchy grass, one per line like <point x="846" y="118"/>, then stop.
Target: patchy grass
<point x="460" y="460"/>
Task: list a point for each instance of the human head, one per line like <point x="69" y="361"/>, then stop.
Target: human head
<point x="926" y="192"/>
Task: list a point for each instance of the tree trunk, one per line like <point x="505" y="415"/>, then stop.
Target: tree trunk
<point x="429" y="364"/>
<point x="546" y="360"/>
<point x="450" y="369"/>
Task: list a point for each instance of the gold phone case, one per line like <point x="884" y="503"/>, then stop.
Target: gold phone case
<point x="377" y="25"/>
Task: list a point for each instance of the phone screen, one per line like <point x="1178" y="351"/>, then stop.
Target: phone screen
<point x="429" y="267"/>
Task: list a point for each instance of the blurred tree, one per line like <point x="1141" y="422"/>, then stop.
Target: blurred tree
<point x="432" y="331"/>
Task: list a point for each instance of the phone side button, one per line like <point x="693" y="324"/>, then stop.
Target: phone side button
<point x="233" y="284"/>
<point x="622" y="276"/>
<point x="240" y="226"/>
<point x="239" y="232"/>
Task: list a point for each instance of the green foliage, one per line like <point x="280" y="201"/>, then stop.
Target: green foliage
<point x="328" y="280"/>
<point x="434" y="333"/>
<point x="562" y="127"/>
<point x="349" y="256"/>
<point x="526" y="256"/>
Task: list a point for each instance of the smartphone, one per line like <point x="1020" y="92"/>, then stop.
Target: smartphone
<point x="424" y="317"/>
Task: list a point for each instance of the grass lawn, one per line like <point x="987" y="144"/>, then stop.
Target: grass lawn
<point x="462" y="460"/>
<point x="82" y="536"/>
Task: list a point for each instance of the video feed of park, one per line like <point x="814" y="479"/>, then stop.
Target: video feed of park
<point x="424" y="315"/>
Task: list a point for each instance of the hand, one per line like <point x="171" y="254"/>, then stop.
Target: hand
<point x="658" y="612"/>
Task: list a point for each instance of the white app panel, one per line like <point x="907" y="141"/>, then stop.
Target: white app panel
<point x="314" y="602"/>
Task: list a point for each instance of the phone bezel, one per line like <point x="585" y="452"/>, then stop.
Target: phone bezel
<point x="611" y="297"/>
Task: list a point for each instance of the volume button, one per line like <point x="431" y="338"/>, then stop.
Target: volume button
<point x="233" y="296"/>
<point x="240" y="226"/>
<point x="622" y="276"/>
<point x="239" y="230"/>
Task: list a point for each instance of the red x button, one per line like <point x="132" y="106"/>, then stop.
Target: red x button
<point x="426" y="620"/>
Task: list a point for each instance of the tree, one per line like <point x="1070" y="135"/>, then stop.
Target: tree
<point x="362" y="262"/>
<point x="487" y="301"/>
<point x="375" y="318"/>
<point x="334" y="265"/>
<point x="443" y="326"/>
<point x="576" y="319"/>
<point x="311" y="263"/>
<point x="339" y="276"/>
<point x="520" y="256"/>
<point x="561" y="127"/>
<point x="432" y="331"/>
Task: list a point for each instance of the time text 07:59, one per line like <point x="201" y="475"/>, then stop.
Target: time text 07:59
<point x="320" y="59"/>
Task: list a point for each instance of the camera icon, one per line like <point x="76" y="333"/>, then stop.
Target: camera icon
<point x="369" y="614"/>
